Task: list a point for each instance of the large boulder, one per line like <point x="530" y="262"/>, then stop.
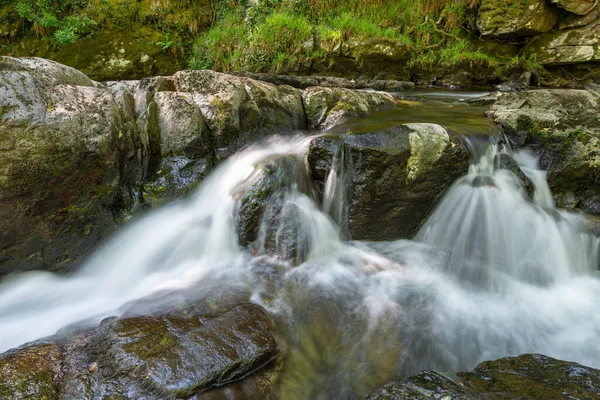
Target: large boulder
<point x="71" y="162"/>
<point x="153" y="356"/>
<point x="510" y="19"/>
<point x="530" y="376"/>
<point x="326" y="106"/>
<point x="233" y="105"/>
<point x="563" y="127"/>
<point x="394" y="177"/>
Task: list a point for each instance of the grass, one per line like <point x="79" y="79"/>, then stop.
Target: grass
<point x="270" y="35"/>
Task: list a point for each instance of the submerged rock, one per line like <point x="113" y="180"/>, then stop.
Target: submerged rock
<point x="563" y="127"/>
<point x="394" y="177"/>
<point x="530" y="376"/>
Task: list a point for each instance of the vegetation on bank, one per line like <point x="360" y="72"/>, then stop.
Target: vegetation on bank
<point x="270" y="35"/>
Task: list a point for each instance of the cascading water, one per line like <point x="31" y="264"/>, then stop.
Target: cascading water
<point x="491" y="274"/>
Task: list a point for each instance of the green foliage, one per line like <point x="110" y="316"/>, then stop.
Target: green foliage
<point x="62" y="19"/>
<point x="275" y="35"/>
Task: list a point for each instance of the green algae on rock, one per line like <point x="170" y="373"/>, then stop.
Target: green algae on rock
<point x="530" y="376"/>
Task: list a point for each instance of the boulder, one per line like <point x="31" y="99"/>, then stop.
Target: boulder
<point x="326" y="107"/>
<point x="395" y="176"/>
<point x="507" y="19"/>
<point x="71" y="162"/>
<point x="233" y="105"/>
<point x="579" y="7"/>
<point x="571" y="46"/>
<point x="530" y="376"/>
<point x="177" y="356"/>
<point x="563" y="127"/>
<point x="32" y="371"/>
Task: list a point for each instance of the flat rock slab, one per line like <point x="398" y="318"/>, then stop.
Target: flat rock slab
<point x="178" y="356"/>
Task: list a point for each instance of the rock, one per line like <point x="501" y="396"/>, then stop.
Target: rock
<point x="304" y="82"/>
<point x="178" y="356"/>
<point x="562" y="126"/>
<point x="509" y="19"/>
<point x="579" y="7"/>
<point x="327" y="107"/>
<point x="572" y="46"/>
<point x="574" y="21"/>
<point x="395" y="176"/>
<point x="183" y="131"/>
<point x="71" y="162"/>
<point x="232" y="105"/>
<point x="268" y="219"/>
<point x="530" y="376"/>
<point x="32" y="371"/>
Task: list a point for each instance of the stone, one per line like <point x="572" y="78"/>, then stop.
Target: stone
<point x="177" y="355"/>
<point x="231" y="105"/>
<point x="579" y="7"/>
<point x="562" y="126"/>
<point x="32" y="371"/>
<point x="395" y="176"/>
<point x="71" y="162"/>
<point x="511" y="19"/>
<point x="572" y="46"/>
<point x="327" y="107"/>
<point x="530" y="376"/>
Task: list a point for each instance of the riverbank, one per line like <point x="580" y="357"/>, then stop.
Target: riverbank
<point x="463" y="43"/>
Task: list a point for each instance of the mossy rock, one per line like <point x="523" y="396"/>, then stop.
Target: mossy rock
<point x="530" y="376"/>
<point x="395" y="176"/>
<point x="32" y="371"/>
<point x="513" y="19"/>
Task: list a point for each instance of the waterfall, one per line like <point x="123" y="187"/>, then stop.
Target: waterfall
<point x="495" y="271"/>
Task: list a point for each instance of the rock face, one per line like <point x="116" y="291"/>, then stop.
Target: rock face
<point x="153" y="357"/>
<point x="530" y="376"/>
<point x="395" y="176"/>
<point x="572" y="46"/>
<point x="509" y="19"/>
<point x="562" y="125"/>
<point x="71" y="160"/>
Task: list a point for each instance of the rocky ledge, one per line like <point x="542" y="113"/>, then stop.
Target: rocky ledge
<point x="77" y="157"/>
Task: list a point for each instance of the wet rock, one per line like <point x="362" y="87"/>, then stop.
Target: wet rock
<point x="268" y="219"/>
<point x="178" y="356"/>
<point x="530" y="376"/>
<point x="234" y="105"/>
<point x="579" y="7"/>
<point x="505" y="161"/>
<point x="562" y="126"/>
<point x="395" y="176"/>
<point x="510" y="19"/>
<point x="327" y="107"/>
<point x="71" y="162"/>
<point x="32" y="371"/>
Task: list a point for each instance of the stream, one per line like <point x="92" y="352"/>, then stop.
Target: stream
<point x="490" y="274"/>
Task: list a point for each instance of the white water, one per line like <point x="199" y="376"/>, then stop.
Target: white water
<point x="491" y="274"/>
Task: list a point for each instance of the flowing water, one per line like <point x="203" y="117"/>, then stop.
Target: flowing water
<point x="491" y="274"/>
